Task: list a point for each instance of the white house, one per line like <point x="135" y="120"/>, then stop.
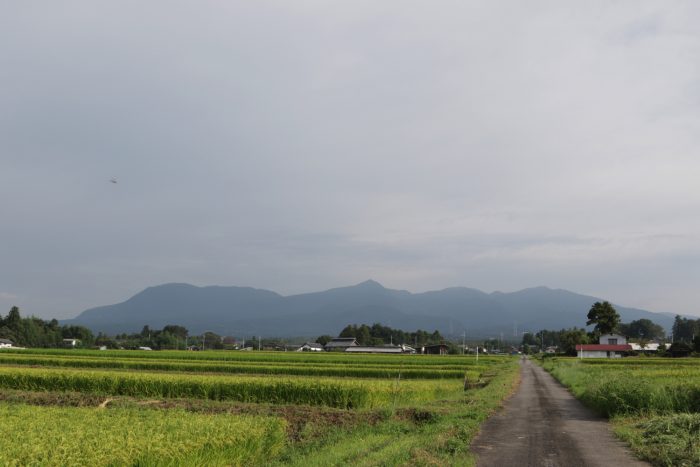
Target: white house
<point x="610" y="346"/>
<point x="310" y="347"/>
<point x="649" y="347"/>
<point x="71" y="342"/>
<point x="5" y="344"/>
<point x="341" y="343"/>
<point x="612" y="339"/>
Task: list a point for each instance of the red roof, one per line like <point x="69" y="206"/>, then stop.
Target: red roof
<point x="605" y="347"/>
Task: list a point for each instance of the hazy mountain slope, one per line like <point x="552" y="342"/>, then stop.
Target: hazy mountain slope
<point x="244" y="311"/>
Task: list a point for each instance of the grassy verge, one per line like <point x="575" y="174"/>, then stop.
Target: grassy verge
<point x="653" y="407"/>
<point x="664" y="440"/>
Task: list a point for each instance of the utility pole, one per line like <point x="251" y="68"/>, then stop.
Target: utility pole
<point x="542" y="341"/>
<point x="464" y="341"/>
<point x="258" y="343"/>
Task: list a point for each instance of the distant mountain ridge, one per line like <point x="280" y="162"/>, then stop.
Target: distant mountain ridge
<point x="245" y="311"/>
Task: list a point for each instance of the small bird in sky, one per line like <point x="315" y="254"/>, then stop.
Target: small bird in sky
<point x="113" y="180"/>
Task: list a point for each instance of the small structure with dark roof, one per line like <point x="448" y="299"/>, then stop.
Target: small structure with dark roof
<point x="435" y="349"/>
<point x="341" y="343"/>
<point x="6" y="344"/>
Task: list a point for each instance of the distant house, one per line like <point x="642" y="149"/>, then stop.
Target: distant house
<point x="310" y="347"/>
<point x="339" y="344"/>
<point x="5" y="343"/>
<point x="71" y="343"/>
<point x="610" y="346"/>
<point x="612" y="339"/>
<point x="649" y="347"/>
<point x="552" y="349"/>
<point x="145" y="348"/>
<point x="435" y="349"/>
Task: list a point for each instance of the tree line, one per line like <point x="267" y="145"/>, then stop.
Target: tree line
<point x="36" y="332"/>
<point x="378" y="335"/>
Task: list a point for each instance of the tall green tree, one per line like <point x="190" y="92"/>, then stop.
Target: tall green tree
<point x="642" y="329"/>
<point x="685" y="329"/>
<point x="570" y="338"/>
<point x="13" y="319"/>
<point x="604" y="316"/>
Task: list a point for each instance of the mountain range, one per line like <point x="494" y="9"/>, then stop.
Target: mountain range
<point x="245" y="311"/>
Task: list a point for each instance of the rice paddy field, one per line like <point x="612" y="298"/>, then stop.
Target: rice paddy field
<point x="653" y="403"/>
<point x="120" y="408"/>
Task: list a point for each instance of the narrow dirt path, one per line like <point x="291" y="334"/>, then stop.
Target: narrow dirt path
<point x="543" y="425"/>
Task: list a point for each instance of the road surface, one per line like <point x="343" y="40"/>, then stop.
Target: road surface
<point x="543" y="425"/>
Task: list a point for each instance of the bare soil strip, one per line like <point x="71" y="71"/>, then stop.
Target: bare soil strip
<point x="544" y="425"/>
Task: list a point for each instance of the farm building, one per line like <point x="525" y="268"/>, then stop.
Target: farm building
<point x="649" y="347"/>
<point x="387" y="349"/>
<point x="5" y="343"/>
<point x="434" y="349"/>
<point x="339" y="344"/>
<point x="71" y="343"/>
<point x="610" y="346"/>
<point x="310" y="347"/>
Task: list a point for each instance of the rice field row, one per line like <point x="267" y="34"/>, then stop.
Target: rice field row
<point x="60" y="436"/>
<point x="330" y="392"/>
<point x="278" y="357"/>
<point x="382" y="371"/>
<point x="243" y="408"/>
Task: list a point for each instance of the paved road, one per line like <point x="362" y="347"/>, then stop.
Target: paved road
<point x="543" y="425"/>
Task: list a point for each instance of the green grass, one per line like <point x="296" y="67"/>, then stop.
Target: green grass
<point x="334" y="409"/>
<point x="331" y="392"/>
<point x="654" y="403"/>
<point x="438" y="434"/>
<point x="278" y="357"/>
<point x="58" y="436"/>
<point x="664" y="440"/>
<point x="273" y="367"/>
<point x="637" y="387"/>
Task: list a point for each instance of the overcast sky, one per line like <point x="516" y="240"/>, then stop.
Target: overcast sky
<point x="303" y="145"/>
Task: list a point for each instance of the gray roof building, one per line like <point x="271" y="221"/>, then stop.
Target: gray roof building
<point x="341" y="343"/>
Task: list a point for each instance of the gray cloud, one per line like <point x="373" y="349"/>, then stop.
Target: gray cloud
<point x="298" y="146"/>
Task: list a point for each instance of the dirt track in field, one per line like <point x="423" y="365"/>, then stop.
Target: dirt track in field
<point x="543" y="425"/>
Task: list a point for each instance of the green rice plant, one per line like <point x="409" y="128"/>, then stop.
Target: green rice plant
<point x="273" y="368"/>
<point x="286" y="357"/>
<point x="290" y="390"/>
<point x="55" y="436"/>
